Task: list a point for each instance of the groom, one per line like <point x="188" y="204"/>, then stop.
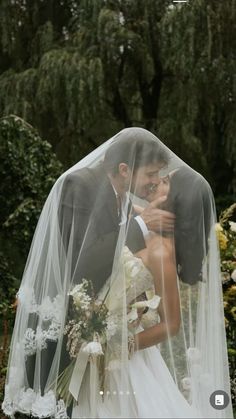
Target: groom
<point x="95" y="203"/>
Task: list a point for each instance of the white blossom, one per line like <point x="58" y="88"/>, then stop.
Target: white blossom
<point x="233" y="275"/>
<point x="80" y="298"/>
<point x="152" y="303"/>
<point x="132" y="315"/>
<point x="232" y="226"/>
<point x="94" y="348"/>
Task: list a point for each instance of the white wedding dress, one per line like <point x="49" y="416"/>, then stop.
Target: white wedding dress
<point x="152" y="392"/>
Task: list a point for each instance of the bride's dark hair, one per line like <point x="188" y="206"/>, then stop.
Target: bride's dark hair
<point x="190" y="200"/>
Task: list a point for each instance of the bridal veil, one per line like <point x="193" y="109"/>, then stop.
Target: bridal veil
<point x="77" y="253"/>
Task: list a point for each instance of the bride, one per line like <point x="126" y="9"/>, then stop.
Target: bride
<point x="120" y="310"/>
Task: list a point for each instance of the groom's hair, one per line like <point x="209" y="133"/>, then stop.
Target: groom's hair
<point x="134" y="150"/>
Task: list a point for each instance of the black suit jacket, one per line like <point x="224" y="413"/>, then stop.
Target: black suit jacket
<point x="88" y="208"/>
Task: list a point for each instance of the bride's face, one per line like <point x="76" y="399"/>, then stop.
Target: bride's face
<point x="160" y="189"/>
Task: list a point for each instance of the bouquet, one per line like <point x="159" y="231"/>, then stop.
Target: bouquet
<point x="88" y="320"/>
<point x="89" y="327"/>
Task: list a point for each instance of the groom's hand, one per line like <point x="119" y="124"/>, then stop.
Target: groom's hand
<point x="157" y="219"/>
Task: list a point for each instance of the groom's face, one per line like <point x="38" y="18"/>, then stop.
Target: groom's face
<point x="144" y="177"/>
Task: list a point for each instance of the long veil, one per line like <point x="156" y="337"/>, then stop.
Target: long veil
<point x="65" y="337"/>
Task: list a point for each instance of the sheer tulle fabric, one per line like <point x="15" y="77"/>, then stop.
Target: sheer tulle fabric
<point x="81" y="235"/>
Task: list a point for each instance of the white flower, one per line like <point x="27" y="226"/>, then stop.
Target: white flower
<point x="232" y="226"/>
<point x="76" y="290"/>
<point x="153" y="303"/>
<point x="80" y="298"/>
<point x="79" y="288"/>
<point x="233" y="275"/>
<point x="132" y="315"/>
<point x="94" y="348"/>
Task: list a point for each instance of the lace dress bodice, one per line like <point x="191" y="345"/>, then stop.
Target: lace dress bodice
<point x="138" y="280"/>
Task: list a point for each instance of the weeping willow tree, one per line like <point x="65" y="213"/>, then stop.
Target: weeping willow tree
<point x="81" y="70"/>
<point x="198" y="100"/>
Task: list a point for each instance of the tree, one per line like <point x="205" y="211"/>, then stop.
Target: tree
<point x="198" y="51"/>
<point x="81" y="70"/>
<point x="28" y="170"/>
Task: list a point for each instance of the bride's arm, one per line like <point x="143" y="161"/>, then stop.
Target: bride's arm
<point x="159" y="258"/>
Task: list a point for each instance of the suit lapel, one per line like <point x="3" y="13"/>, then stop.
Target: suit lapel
<point x="106" y="199"/>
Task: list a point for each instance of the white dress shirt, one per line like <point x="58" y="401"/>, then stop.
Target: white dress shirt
<point x="124" y="209"/>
